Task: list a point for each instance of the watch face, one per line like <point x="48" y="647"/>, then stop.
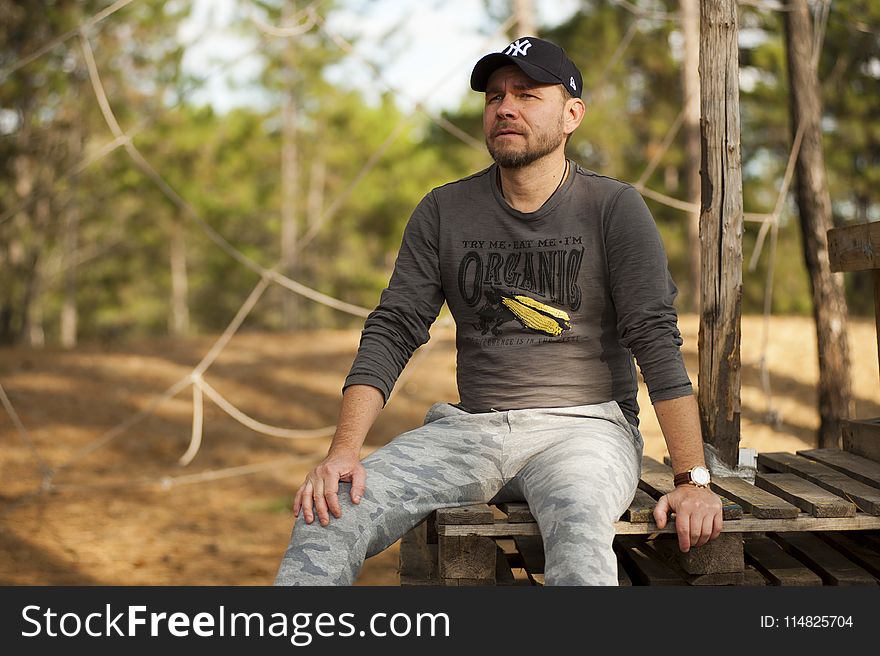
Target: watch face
<point x="700" y="475"/>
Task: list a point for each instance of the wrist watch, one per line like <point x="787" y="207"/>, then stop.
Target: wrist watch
<point x="697" y="476"/>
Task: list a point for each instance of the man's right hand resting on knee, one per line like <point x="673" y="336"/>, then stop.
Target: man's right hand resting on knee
<point x="318" y="495"/>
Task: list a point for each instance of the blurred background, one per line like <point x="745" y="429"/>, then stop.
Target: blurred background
<point x="201" y="200"/>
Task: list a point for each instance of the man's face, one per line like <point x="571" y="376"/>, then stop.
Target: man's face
<point x="523" y="120"/>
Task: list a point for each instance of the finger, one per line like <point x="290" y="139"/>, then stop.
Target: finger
<point x="717" y="524"/>
<point x="308" y="515"/>
<point x="660" y="511"/>
<point x="683" y="528"/>
<point x="358" y="483"/>
<point x="695" y="522"/>
<point x="297" y="501"/>
<point x="320" y="503"/>
<point x="706" y="532"/>
<point x="331" y="494"/>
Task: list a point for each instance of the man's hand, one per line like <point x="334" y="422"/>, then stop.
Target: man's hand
<point x="698" y="515"/>
<point x="322" y="486"/>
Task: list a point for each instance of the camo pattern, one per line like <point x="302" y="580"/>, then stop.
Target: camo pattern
<point x="577" y="467"/>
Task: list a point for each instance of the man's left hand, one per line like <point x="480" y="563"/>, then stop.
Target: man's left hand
<point x="698" y="515"/>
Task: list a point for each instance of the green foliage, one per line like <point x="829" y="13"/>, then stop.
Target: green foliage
<point x="227" y="166"/>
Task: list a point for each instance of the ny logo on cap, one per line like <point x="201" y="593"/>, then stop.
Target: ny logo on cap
<point x="572" y="84"/>
<point x="518" y="47"/>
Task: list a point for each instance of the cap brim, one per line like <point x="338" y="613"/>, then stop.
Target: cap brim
<point x="491" y="63"/>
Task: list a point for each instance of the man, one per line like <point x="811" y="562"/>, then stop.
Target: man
<point x="556" y="277"/>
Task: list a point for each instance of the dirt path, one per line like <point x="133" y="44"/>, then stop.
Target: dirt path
<point x="113" y="522"/>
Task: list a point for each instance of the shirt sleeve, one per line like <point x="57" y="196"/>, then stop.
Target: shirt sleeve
<point x="407" y="307"/>
<point x="643" y="293"/>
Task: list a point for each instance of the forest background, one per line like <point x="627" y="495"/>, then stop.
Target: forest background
<point x="92" y="250"/>
<point x="143" y="197"/>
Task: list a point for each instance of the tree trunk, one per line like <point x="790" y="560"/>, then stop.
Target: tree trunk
<point x="69" y="316"/>
<point x="524" y="15"/>
<point x="814" y="205"/>
<point x="690" y="18"/>
<point x="289" y="175"/>
<point x="179" y="282"/>
<point x="721" y="227"/>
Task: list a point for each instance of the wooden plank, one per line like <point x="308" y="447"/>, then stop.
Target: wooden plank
<point x="466" y="557"/>
<point x="807" y="496"/>
<point x="860" y="468"/>
<point x="862" y="436"/>
<point x="777" y="566"/>
<point x="643" y="566"/>
<point x="754" y="500"/>
<point x="827" y="562"/>
<point x="730" y="510"/>
<point x="641" y="509"/>
<point x="456" y="583"/>
<point x="418" y="560"/>
<point x="803" y="522"/>
<point x="657" y="479"/>
<point x="503" y="573"/>
<point x="722" y="555"/>
<point x="480" y="513"/>
<point x="623" y="580"/>
<point x="854" y="248"/>
<point x="753" y="578"/>
<point x="531" y="548"/>
<point x="517" y="513"/>
<point x="861" y="553"/>
<point x="865" y="497"/>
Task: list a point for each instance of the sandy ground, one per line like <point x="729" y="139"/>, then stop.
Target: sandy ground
<point x="123" y="512"/>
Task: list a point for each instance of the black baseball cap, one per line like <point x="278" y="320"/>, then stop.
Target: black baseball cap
<point x="539" y="59"/>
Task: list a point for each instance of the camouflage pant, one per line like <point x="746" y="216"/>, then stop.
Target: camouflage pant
<point x="577" y="467"/>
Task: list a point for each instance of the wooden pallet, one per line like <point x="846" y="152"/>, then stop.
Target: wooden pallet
<point x="810" y="518"/>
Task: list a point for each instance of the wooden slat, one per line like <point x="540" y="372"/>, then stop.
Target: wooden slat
<point x="857" y="467"/>
<point x="865" y="497"/>
<point x="517" y="512"/>
<point x="503" y="574"/>
<point x="476" y="514"/>
<point x="753" y="578"/>
<point x="860" y="552"/>
<point x="862" y="436"/>
<point x="418" y="559"/>
<point x="641" y="509"/>
<point x="466" y="557"/>
<point x="779" y="567"/>
<point x="643" y="566"/>
<point x="827" y="562"/>
<point x="802" y="522"/>
<point x="807" y="496"/>
<point x="623" y="579"/>
<point x="722" y="555"/>
<point x="656" y="477"/>
<point x="754" y="500"/>
<point x="665" y="549"/>
<point x="730" y="510"/>
<point x="416" y="567"/>
<point x="854" y="248"/>
<point x="531" y="548"/>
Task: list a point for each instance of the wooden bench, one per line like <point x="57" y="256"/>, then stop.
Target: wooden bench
<point x="810" y="518"/>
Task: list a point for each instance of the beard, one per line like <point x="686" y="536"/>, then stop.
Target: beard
<point x="510" y="157"/>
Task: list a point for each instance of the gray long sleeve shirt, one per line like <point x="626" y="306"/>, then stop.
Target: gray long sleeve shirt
<point x="550" y="306"/>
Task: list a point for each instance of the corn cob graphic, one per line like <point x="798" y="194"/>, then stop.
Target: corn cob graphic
<point x="546" y="309"/>
<point x="537" y="316"/>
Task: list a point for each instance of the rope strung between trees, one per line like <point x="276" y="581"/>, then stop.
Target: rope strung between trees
<point x="45" y="470"/>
